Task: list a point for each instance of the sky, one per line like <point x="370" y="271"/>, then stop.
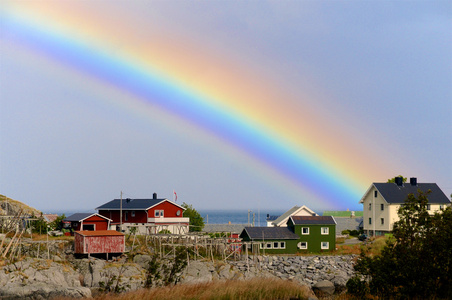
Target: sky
<point x="258" y="105"/>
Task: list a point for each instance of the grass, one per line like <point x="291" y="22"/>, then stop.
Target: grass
<point x="374" y="247"/>
<point x="258" y="288"/>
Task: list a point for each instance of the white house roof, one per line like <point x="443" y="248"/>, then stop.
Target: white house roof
<point x="394" y="193"/>
<point x="296" y="210"/>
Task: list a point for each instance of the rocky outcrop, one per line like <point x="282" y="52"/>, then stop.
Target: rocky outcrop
<point x="12" y="207"/>
<point x="115" y="276"/>
<point x="46" y="279"/>
<point x="40" y="279"/>
<point x="332" y="271"/>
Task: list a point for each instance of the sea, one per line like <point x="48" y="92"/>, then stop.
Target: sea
<point x="258" y="217"/>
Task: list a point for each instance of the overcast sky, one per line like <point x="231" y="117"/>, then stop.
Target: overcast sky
<point x="366" y="84"/>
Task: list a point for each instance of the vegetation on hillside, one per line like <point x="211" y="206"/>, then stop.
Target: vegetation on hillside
<point x="416" y="263"/>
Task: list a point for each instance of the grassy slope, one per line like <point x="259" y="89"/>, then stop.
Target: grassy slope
<point x="16" y="206"/>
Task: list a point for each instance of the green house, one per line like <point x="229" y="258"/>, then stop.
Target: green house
<point x="302" y="234"/>
<point x="271" y="240"/>
<point x="316" y="233"/>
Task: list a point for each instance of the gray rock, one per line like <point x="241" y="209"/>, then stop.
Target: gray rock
<point x="142" y="260"/>
<point x="196" y="272"/>
<point x="325" y="287"/>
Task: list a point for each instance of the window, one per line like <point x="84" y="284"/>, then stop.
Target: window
<point x="127" y="216"/>
<point x="441" y="207"/>
<point x="275" y="245"/>
<point x="375" y="194"/>
<point x="370" y="221"/>
<point x="133" y="213"/>
<point x="325" y="230"/>
<point x="382" y="221"/>
<point x="305" y="230"/>
<point x="262" y="246"/>
<point x="268" y="245"/>
<point x="282" y="245"/>
<point x="325" y="245"/>
<point x="382" y="206"/>
<point x="370" y="206"/>
<point x="158" y="213"/>
<point x="302" y="245"/>
<point x="428" y="207"/>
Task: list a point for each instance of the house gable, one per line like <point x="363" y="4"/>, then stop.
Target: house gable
<point x="88" y="221"/>
<point x="294" y="211"/>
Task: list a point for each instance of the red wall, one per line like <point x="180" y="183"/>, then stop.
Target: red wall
<point x="100" y="223"/>
<point x="99" y="244"/>
<point x="170" y="210"/>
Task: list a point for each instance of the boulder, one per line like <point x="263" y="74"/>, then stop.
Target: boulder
<point x="197" y="272"/>
<point x="325" y="287"/>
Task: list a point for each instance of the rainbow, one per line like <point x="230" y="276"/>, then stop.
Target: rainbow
<point x="282" y="143"/>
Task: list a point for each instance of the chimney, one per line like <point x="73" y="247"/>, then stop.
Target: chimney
<point x="154" y="196"/>
<point x="413" y="181"/>
<point x="399" y="181"/>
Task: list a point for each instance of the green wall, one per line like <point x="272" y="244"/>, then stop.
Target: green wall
<point x="315" y="238"/>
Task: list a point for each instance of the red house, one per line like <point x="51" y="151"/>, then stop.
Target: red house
<point x="88" y="221"/>
<point x="147" y="215"/>
<point x="101" y="241"/>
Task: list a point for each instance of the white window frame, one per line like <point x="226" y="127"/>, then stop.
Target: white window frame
<point x="302" y="229"/>
<point x="133" y="214"/>
<point x="158" y="213"/>
<point x="275" y="245"/>
<point x="305" y="246"/>
<point x="282" y="245"/>
<point x="268" y="245"/>
<point x="325" y="230"/>
<point x="323" y="247"/>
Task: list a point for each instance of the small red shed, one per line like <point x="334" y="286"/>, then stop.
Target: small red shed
<point x="100" y="241"/>
<point x="88" y="221"/>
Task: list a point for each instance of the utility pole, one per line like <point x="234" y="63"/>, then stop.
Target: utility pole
<point x="120" y="213"/>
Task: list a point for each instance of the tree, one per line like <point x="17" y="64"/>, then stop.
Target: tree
<point x="417" y="262"/>
<point x="196" y="221"/>
<point x="392" y="180"/>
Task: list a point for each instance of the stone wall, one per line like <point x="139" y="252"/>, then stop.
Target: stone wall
<point x="34" y="278"/>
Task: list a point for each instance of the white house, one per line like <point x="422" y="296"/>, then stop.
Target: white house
<point x="281" y="221"/>
<point x="382" y="201"/>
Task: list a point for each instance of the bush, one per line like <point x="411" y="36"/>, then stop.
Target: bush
<point x="416" y="263"/>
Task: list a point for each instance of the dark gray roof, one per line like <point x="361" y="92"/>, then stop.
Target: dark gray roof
<point x="313" y="220"/>
<point x="393" y="193"/>
<point x="233" y="228"/>
<point x="77" y="217"/>
<point x="269" y="233"/>
<point x="128" y="204"/>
